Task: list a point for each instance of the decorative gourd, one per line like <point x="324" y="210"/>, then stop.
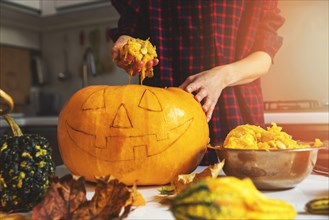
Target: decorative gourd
<point x="318" y="206"/>
<point x="26" y="167"/>
<point x="228" y="198"/>
<point x="136" y="133"/>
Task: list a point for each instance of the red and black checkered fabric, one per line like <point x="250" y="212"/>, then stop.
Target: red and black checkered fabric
<point x="195" y="35"/>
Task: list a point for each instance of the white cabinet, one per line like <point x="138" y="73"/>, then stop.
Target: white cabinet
<point x="31" y="4"/>
<point x="22" y="22"/>
<point x="54" y="7"/>
<point x="60" y="4"/>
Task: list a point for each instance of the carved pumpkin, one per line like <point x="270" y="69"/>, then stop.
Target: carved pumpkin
<point x="136" y="133"/>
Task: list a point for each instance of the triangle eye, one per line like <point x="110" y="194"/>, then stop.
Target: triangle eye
<point x="122" y="119"/>
<point x="150" y="102"/>
<point x="94" y="101"/>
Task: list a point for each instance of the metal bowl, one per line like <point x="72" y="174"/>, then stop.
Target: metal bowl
<point x="269" y="170"/>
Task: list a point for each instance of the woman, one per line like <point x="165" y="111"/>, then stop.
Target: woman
<point x="217" y="50"/>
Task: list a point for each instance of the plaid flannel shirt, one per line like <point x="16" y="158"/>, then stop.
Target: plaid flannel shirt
<point x="195" y="35"/>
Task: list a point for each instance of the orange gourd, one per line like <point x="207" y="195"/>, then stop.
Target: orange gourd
<point x="136" y="133"/>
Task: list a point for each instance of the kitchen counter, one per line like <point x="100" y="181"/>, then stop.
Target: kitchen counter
<point x="297" y="117"/>
<point x="32" y="121"/>
<point x="312" y="187"/>
<point x="321" y="117"/>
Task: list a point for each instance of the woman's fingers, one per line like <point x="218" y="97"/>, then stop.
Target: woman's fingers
<point x="208" y="107"/>
<point x="115" y="53"/>
<point x="137" y="67"/>
<point x="201" y="94"/>
<point x="150" y="64"/>
<point x="208" y="103"/>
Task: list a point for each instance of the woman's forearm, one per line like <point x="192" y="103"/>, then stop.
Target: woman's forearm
<point x="246" y="70"/>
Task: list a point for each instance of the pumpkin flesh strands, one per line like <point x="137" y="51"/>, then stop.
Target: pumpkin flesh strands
<point x="141" y="51"/>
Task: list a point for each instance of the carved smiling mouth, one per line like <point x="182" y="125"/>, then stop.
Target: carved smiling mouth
<point x="131" y="148"/>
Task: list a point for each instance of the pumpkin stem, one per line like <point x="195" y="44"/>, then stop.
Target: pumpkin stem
<point x="13" y="125"/>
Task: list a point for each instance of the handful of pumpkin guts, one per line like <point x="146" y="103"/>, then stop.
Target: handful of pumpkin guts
<point x="139" y="50"/>
<point x="253" y="137"/>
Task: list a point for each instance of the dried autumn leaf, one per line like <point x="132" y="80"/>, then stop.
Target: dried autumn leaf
<point x="63" y="197"/>
<point x="72" y="191"/>
<point x="183" y="180"/>
<point x="211" y="171"/>
<point x="66" y="199"/>
<point x="136" y="198"/>
<point x="110" y="197"/>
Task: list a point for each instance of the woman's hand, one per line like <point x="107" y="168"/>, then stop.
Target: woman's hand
<point x="206" y="87"/>
<point x="129" y="63"/>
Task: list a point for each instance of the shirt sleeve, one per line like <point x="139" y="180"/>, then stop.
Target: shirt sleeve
<point x="133" y="18"/>
<point x="267" y="38"/>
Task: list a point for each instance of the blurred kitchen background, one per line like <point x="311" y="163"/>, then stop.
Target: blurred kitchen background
<point x="46" y="43"/>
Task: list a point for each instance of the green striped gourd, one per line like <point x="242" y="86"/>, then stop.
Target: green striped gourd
<point x="228" y="198"/>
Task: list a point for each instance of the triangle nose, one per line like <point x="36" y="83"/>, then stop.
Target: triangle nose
<point x="122" y="119"/>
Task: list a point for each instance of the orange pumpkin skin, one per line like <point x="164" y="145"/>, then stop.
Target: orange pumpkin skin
<point x="138" y="134"/>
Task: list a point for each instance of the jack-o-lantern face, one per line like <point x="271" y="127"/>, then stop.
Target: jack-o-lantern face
<point x="119" y="130"/>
